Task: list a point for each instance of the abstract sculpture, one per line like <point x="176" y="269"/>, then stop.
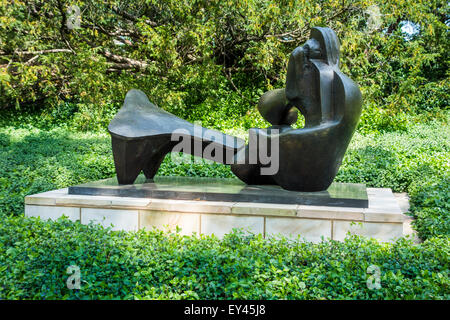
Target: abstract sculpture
<point x="309" y="158"/>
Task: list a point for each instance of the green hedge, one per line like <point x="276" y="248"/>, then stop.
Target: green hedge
<point x="34" y="256"/>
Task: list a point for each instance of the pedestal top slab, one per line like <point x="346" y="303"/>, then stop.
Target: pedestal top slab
<point x="220" y="189"/>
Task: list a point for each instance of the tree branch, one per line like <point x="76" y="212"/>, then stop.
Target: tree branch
<point x="39" y="52"/>
<point x="132" y="18"/>
<point x="124" y="62"/>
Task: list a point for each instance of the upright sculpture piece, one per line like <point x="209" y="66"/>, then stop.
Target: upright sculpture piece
<point x="309" y="158"/>
<point x="331" y="104"/>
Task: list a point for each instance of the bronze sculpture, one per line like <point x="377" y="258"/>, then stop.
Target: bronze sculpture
<point x="309" y="158"/>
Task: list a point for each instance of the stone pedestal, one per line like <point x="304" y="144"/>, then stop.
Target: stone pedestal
<point x="381" y="219"/>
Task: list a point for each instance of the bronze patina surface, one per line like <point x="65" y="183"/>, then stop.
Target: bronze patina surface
<point x="309" y="158"/>
<point x="331" y="104"/>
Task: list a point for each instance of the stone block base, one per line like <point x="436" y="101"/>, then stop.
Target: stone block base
<point x="383" y="219"/>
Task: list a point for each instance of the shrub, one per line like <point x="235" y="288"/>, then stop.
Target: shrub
<point x="34" y="256"/>
<point x="37" y="160"/>
<point x="430" y="205"/>
<point x="397" y="159"/>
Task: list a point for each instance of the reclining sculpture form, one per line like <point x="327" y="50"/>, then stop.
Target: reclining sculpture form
<point x="309" y="158"/>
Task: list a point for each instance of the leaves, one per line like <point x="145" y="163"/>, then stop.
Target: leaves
<point x="35" y="254"/>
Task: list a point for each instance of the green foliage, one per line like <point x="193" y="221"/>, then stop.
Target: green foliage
<point x="34" y="160"/>
<point x="210" y="61"/>
<point x="207" y="60"/>
<point x="34" y="256"/>
<point x="430" y="204"/>
<point x="397" y="159"/>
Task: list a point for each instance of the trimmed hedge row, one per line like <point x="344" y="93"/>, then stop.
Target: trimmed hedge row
<point x="34" y="256"/>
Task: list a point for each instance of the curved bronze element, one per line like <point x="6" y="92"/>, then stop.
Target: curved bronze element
<point x="309" y="158"/>
<point x="274" y="108"/>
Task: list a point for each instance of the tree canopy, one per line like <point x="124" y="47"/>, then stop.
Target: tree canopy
<point x="190" y="55"/>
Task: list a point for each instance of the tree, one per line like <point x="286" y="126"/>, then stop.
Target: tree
<point x="186" y="54"/>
